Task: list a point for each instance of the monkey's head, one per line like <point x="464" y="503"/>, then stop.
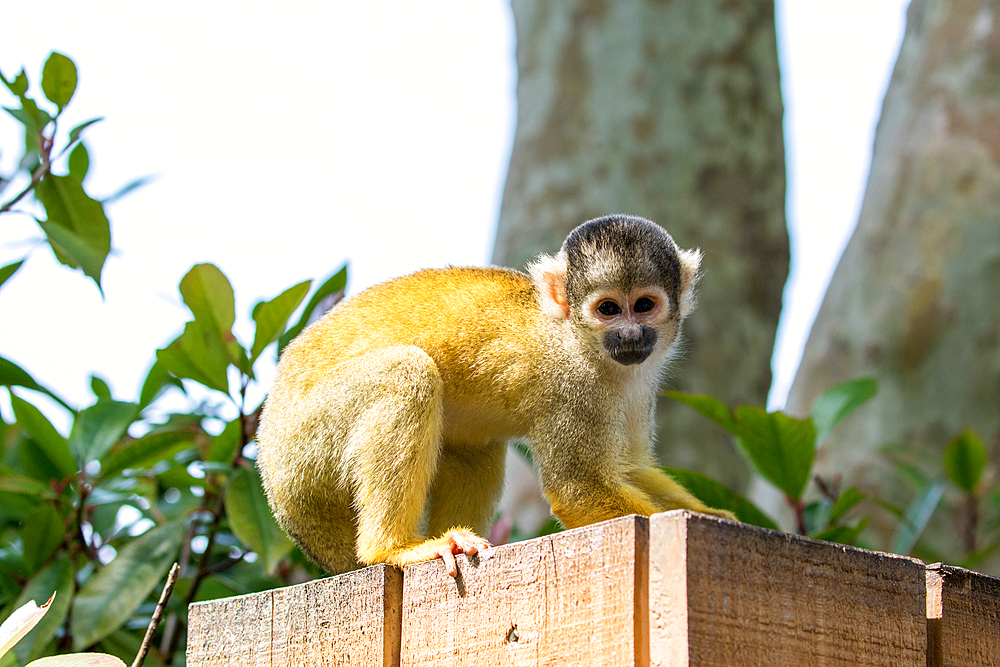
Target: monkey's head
<point x="624" y="284"/>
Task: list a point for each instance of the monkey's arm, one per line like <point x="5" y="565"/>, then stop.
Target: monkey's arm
<point x="669" y="495"/>
<point x="581" y="477"/>
<point x="590" y="475"/>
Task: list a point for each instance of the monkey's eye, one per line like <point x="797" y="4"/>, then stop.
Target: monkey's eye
<point x="609" y="308"/>
<point x="644" y="305"/>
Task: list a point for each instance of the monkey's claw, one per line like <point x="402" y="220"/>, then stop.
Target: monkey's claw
<point x="457" y="541"/>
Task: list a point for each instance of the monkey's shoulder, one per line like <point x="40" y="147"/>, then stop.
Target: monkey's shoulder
<point x="427" y="307"/>
<point x="458" y="280"/>
<point x="452" y="290"/>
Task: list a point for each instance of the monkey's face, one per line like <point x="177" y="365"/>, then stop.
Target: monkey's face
<point x="628" y="324"/>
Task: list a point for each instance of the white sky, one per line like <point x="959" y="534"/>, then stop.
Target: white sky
<point x="287" y="142"/>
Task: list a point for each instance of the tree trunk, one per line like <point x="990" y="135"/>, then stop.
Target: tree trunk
<point x="915" y="300"/>
<point x="671" y="111"/>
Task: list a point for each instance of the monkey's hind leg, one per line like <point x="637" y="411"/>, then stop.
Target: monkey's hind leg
<point x="394" y="447"/>
<point x="467" y="487"/>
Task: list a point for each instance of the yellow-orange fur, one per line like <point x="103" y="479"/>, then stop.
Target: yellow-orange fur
<point x="389" y="418"/>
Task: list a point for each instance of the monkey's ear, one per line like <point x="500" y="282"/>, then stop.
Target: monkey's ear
<point x="690" y="274"/>
<point x="549" y="275"/>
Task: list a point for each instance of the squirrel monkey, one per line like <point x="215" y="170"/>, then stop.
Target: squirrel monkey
<point x="390" y="416"/>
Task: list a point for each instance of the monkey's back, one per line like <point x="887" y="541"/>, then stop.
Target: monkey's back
<point x="470" y="321"/>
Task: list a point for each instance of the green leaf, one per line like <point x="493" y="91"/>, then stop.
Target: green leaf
<point x="111" y="596"/>
<point x="716" y="495"/>
<point x="207" y="293"/>
<point x="75" y="133"/>
<point x="251" y="518"/>
<point x="59" y="79"/>
<point x="844" y="534"/>
<point x="157" y="379"/>
<point x="99" y="387"/>
<point x="29" y="115"/>
<point x="7" y="271"/>
<point x="708" y="406"/>
<point x="965" y="459"/>
<point x="816" y="516"/>
<point x="915" y="519"/>
<point x="12" y="375"/>
<point x="271" y="317"/>
<point x="178" y="477"/>
<point x="225" y="445"/>
<point x="79" y="162"/>
<point x="845" y="503"/>
<point x="147" y="451"/>
<point x="45" y="435"/>
<point x="334" y="284"/>
<point x="19" y="86"/>
<point x="77" y="227"/>
<point x="72" y="250"/>
<point x="197" y="355"/>
<point x="35" y="463"/>
<point x="42" y="531"/>
<point x="780" y="447"/>
<point x="57" y="577"/>
<point x="134" y="184"/>
<point x="840" y="401"/>
<point x="99" y="427"/>
<point x="26" y="486"/>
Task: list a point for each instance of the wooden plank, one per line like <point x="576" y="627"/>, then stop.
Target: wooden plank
<point x="963" y="617"/>
<point x="723" y="593"/>
<point x="233" y="631"/>
<point x="351" y="619"/>
<point x="574" y="598"/>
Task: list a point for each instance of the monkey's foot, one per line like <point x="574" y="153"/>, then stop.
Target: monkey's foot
<point x="455" y="541"/>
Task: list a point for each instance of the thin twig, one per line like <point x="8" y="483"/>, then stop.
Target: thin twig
<point x="155" y="621"/>
<point x="199" y="575"/>
<point x="36" y="178"/>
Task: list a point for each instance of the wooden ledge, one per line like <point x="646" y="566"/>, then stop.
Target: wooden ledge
<point x="675" y="589"/>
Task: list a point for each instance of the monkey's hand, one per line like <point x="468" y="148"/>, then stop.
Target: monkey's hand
<point x="455" y="541"/>
<point x="722" y="514"/>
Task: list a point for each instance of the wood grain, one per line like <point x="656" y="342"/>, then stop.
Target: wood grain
<point x="963" y="617"/>
<point x="351" y="619"/>
<point x="574" y="598"/>
<point x="723" y="593"/>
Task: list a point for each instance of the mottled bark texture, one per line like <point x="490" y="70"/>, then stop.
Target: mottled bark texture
<point x="915" y="301"/>
<point x="671" y="111"/>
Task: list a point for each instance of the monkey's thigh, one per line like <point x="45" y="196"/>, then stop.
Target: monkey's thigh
<point x="392" y="409"/>
<point x="361" y="448"/>
<point x="466" y="487"/>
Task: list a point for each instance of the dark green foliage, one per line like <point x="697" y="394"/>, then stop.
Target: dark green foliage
<point x="782" y="450"/>
<point x="716" y="495"/>
<point x="99" y="511"/>
<point x="965" y="460"/>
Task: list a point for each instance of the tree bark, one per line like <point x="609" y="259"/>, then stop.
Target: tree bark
<point x="915" y="300"/>
<point x="671" y="111"/>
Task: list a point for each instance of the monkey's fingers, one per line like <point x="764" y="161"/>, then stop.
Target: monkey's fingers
<point x="445" y="554"/>
<point x="723" y="514"/>
<point x="458" y="541"/>
<point x="466" y="541"/>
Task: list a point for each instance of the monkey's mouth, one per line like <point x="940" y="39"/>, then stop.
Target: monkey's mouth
<point x="629" y="356"/>
<point x="630" y="346"/>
